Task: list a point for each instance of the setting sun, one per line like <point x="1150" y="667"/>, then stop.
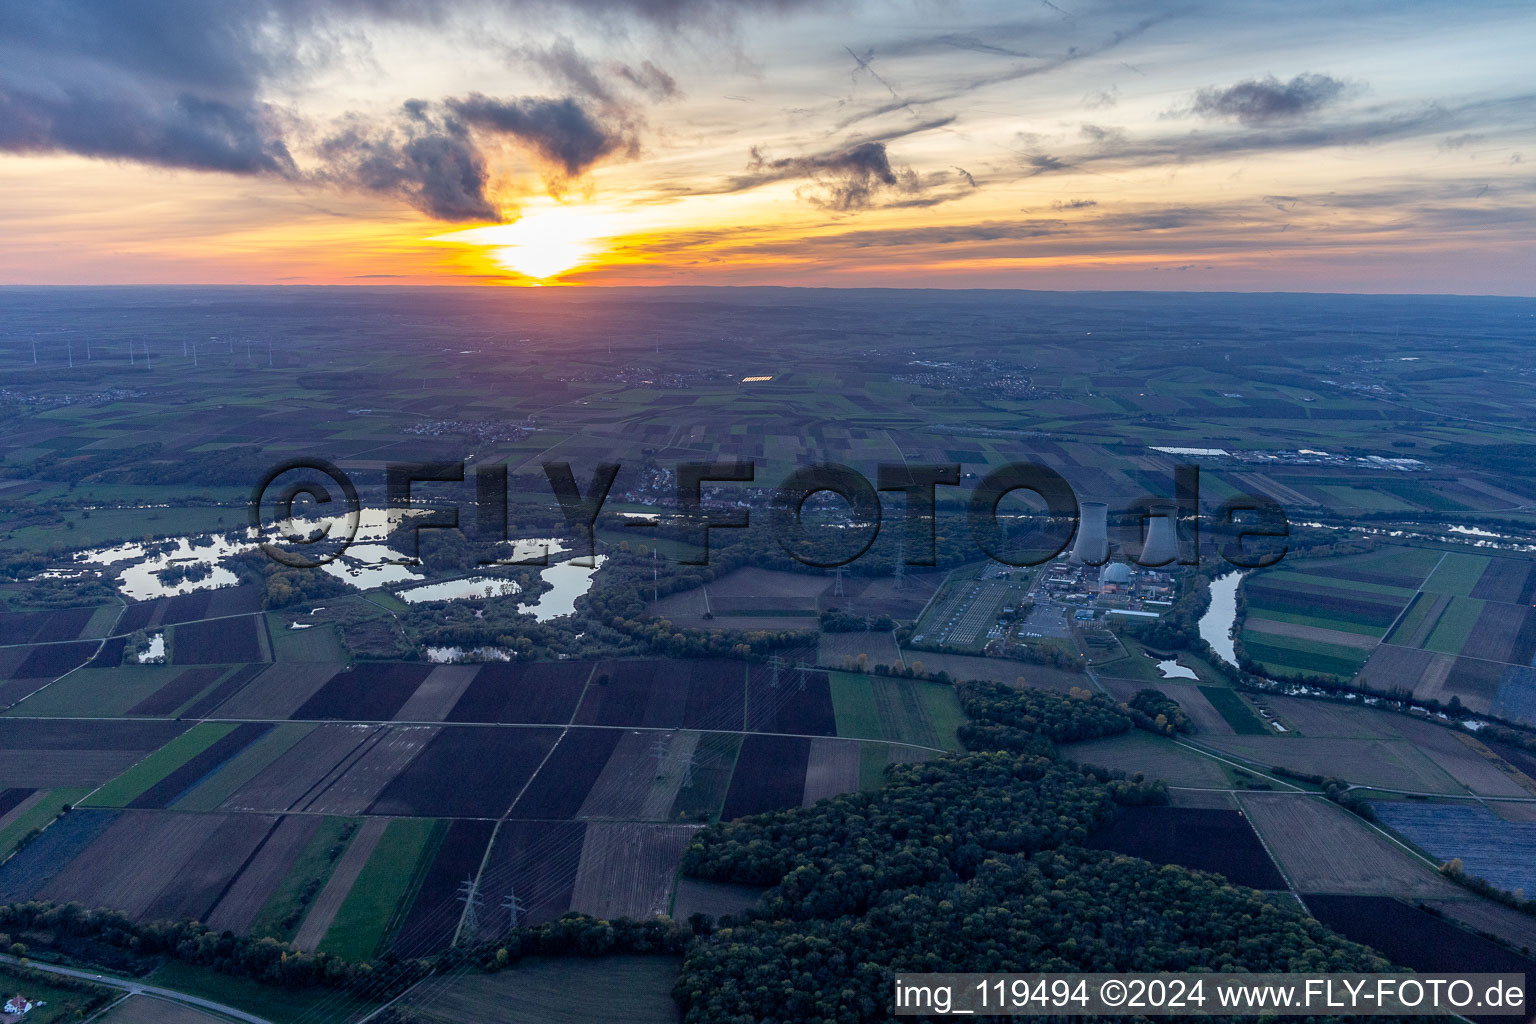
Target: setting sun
<point x="544" y="243"/>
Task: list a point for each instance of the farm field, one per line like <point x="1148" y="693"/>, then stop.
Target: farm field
<point x="1457" y="574"/>
<point x="224" y="781"/>
<point x="627" y="869"/>
<point x="36" y="863"/>
<point x="770" y="774"/>
<point x="237" y="908"/>
<point x="1469" y="761"/>
<point x="289" y="899"/>
<point x="1409" y="936"/>
<point x="44" y="754"/>
<point x="999" y="670"/>
<point x="1282" y="656"/>
<point x="373" y="902"/>
<point x="1198" y="705"/>
<point x="1470" y="634"/>
<point x="539" y="693"/>
<point x="715" y="763"/>
<point x="895" y="709"/>
<point x="279" y="1005"/>
<point x="277" y="692"/>
<point x="1204" y="839"/>
<point x="466" y="772"/>
<point x="94" y="693"/>
<point x="156" y="864"/>
<point x="145" y="1009"/>
<point x="1322" y="848"/>
<point x="1515" y="928"/>
<point x="338" y="885"/>
<point x="241" y="639"/>
<point x="832" y="767"/>
<point x="27" y="809"/>
<point x="121" y="791"/>
<point x="636" y="989"/>
<point x="1234" y="708"/>
<point x="842" y="650"/>
<point x="317" y="643"/>
<point x="365" y="692"/>
<point x="1488" y="846"/>
<point x="1152" y="756"/>
<point x="431" y="910"/>
<point x="642" y="775"/>
<point x="560" y="786"/>
<point x="1384" y="764"/>
<point x="356" y="783"/>
<point x="535" y="861"/>
<point x="1325" y="616"/>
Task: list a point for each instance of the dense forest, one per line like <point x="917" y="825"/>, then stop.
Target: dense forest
<point x="972" y="862"/>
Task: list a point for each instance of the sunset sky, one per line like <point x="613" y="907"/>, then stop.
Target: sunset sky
<point x="1307" y="146"/>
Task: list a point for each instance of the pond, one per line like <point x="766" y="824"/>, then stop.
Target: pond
<point x="181" y="565"/>
<point x="570" y="580"/>
<point x="475" y="587"/>
<point x="1171" y="669"/>
<point x="154" y="654"/>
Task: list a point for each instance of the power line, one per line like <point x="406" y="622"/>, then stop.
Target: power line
<point x="469" y="895"/>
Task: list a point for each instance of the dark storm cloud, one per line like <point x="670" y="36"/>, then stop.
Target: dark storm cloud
<point x="182" y="83"/>
<point x="425" y="160"/>
<point x="562" y="131"/>
<point x="181" y="130"/>
<point x="1263" y="101"/>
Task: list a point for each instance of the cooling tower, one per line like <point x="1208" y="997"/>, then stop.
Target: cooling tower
<point x="1162" y="546"/>
<point x="1092" y="544"/>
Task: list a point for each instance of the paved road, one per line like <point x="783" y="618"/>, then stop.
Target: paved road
<point x="139" y="988"/>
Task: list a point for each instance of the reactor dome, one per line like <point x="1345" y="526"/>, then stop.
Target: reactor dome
<point x="1116" y="572"/>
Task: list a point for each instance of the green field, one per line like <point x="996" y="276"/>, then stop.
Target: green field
<point x="1237" y="711"/>
<point x="853" y="706"/>
<point x="1457" y="574"/>
<point x="896" y="709"/>
<point x="121" y="791"/>
<point x="243" y="767"/>
<point x="65" y="999"/>
<point x="269" y="1002"/>
<point x="367" y="912"/>
<point x="36" y="816"/>
<point x="943" y="707"/>
<point x="873" y="757"/>
<point x="716" y="753"/>
<point x="569" y="990"/>
<point x="1286" y="654"/>
<point x="1412" y="619"/>
<point x="1279" y="577"/>
<point x="1152" y="756"/>
<point x="1261" y="609"/>
<point x="280" y="916"/>
<point x="318" y="643"/>
<point x="96" y="693"/>
<point x="1455" y="626"/>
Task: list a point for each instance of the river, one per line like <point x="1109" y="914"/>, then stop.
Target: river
<point x="1217" y="622"/>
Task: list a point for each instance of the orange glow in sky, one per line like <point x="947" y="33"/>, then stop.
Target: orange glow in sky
<point x="974" y="144"/>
